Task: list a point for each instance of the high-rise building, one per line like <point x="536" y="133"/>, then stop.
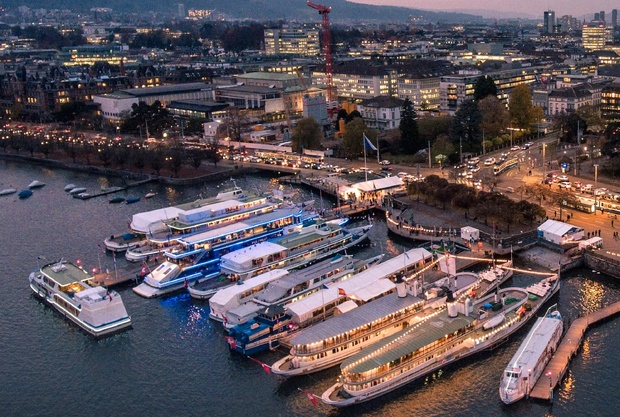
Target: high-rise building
<point x="569" y="23"/>
<point x="549" y="21"/>
<point x="181" y="10"/>
<point x="593" y="36"/>
<point x="602" y="16"/>
<point x="292" y="41"/>
<point x="597" y="17"/>
<point x="614" y="18"/>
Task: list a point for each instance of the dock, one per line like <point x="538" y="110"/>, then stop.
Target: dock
<point x="128" y="273"/>
<point x="112" y="190"/>
<point x="557" y="366"/>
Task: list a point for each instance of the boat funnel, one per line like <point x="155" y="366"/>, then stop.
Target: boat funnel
<point x="401" y="290"/>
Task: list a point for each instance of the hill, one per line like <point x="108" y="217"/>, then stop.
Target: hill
<point x="342" y="10"/>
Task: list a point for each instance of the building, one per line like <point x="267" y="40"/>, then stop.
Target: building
<point x="568" y="23"/>
<point x="549" y="21"/>
<point x="90" y="54"/>
<point x="572" y="98"/>
<point x="614" y="18"/>
<point x="116" y="106"/>
<point x="360" y="80"/>
<point x="316" y="107"/>
<point x="292" y="41"/>
<point x="610" y="101"/>
<point x="381" y="113"/>
<point x="195" y="109"/>
<point x="420" y="83"/>
<point x="593" y="36"/>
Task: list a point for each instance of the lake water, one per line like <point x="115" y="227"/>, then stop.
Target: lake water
<point x="175" y="361"/>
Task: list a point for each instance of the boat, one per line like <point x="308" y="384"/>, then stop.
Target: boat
<point x="82" y="196"/>
<point x="116" y="200"/>
<point x="459" y="330"/>
<point x="66" y="287"/>
<point x="294" y="250"/>
<point x="237" y="304"/>
<point x="69" y="187"/>
<point x="24" y="194"/>
<point x="372" y="283"/>
<point x="192" y="220"/>
<point x="528" y="363"/>
<point x="77" y="190"/>
<point x="197" y="256"/>
<point x="122" y="242"/>
<point x="36" y="184"/>
<point x="149" y="195"/>
<point x="328" y="343"/>
<point x="131" y="200"/>
<point x="8" y="191"/>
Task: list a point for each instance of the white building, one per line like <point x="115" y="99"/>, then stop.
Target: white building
<point x="381" y="113"/>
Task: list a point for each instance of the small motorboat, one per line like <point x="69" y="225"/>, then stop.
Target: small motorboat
<point x="36" y="184"/>
<point x="77" y="190"/>
<point x="116" y="200"/>
<point x="149" y="195"/>
<point x="131" y="200"/>
<point x="8" y="191"/>
<point x="24" y="194"/>
<point x="69" y="187"/>
<point x="83" y="196"/>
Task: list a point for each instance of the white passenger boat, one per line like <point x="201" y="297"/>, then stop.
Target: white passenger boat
<point x="370" y="284"/>
<point x="8" y="191"/>
<point x="36" y="184"/>
<point x="312" y="243"/>
<point x="66" y="287"/>
<point x="197" y="257"/>
<point x="330" y="342"/>
<point x="440" y="339"/>
<point x="123" y="241"/>
<point x="528" y="363"/>
<point x="295" y="286"/>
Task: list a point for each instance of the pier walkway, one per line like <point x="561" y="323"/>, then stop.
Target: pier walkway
<point x="557" y="366"/>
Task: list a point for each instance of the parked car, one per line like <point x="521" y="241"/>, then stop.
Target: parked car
<point x="564" y="184"/>
<point x="562" y="178"/>
<point x="577" y="185"/>
<point x="385" y="162"/>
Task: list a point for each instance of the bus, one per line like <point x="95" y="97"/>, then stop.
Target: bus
<point x="504" y="166"/>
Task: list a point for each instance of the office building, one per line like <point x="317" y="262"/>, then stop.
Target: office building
<point x="549" y="21"/>
<point x="593" y="36"/>
<point x="292" y="41"/>
<point x="614" y="18"/>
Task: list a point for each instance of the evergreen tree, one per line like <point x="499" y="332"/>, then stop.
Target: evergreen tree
<point x="306" y="135"/>
<point x="410" y="141"/>
<point x="485" y="86"/>
<point x="466" y="126"/>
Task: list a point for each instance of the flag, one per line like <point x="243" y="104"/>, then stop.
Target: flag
<point x="107" y="294"/>
<point x="143" y="270"/>
<point x="368" y="146"/>
<point x="310" y="396"/>
<point x="231" y="342"/>
<point x="325" y="287"/>
<point x="342" y="292"/>
<point x="265" y="367"/>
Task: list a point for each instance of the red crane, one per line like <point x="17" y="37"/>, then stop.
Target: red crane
<point x="324" y="11"/>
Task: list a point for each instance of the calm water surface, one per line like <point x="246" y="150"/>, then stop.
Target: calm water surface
<point x="175" y="362"/>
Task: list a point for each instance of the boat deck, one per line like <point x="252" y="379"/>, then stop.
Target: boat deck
<point x="557" y="366"/>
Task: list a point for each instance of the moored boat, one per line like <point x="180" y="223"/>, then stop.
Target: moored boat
<point x="8" y="191"/>
<point x="122" y="242"/>
<point x="116" y="200"/>
<point x="447" y="336"/>
<point x="77" y="190"/>
<point x="312" y="243"/>
<point x="150" y="195"/>
<point x="131" y="200"/>
<point x="24" y="194"/>
<point x="36" y="184"/>
<point x="69" y="187"/>
<point x="528" y="363"/>
<point x="66" y="287"/>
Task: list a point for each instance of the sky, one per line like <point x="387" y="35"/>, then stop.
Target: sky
<point x="577" y="8"/>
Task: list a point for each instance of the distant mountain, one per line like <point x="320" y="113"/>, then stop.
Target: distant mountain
<point x="256" y="9"/>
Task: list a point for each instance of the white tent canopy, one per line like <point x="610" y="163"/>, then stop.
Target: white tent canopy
<point x="559" y="232"/>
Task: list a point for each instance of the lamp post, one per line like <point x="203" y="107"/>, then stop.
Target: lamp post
<point x="544" y="146"/>
<point x="595" y="174"/>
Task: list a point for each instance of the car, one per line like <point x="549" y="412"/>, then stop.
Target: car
<point x="564" y="184"/>
<point x="588" y="188"/>
<point x="469" y="175"/>
<point x="489" y="161"/>
<point x="577" y="185"/>
<point x="385" y="162"/>
<point x="478" y="184"/>
<point x="474" y="160"/>
<point x="402" y="174"/>
<point x="476" y="168"/>
<point x="562" y="178"/>
<point x="515" y="148"/>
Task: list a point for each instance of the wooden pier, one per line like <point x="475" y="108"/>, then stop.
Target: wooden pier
<point x="557" y="366"/>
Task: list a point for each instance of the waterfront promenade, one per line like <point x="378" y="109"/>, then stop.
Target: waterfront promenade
<point x="557" y="366"/>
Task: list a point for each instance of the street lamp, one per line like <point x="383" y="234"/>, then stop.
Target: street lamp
<point x="595" y="174"/>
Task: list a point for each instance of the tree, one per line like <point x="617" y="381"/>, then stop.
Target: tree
<point x="352" y="140"/>
<point x="306" y="135"/>
<point x="466" y="125"/>
<point x="410" y="141"/>
<point x="591" y="115"/>
<point x="521" y="108"/>
<point x="495" y="118"/>
<point x="442" y="146"/>
<point x="484" y="87"/>
<point x="431" y="127"/>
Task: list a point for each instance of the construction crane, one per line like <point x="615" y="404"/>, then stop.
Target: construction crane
<point x="324" y="11"/>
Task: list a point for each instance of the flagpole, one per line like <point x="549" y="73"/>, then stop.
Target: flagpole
<point x="378" y="151"/>
<point x="365" y="168"/>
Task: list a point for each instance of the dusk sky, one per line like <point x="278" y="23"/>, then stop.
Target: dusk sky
<point x="576" y="8"/>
